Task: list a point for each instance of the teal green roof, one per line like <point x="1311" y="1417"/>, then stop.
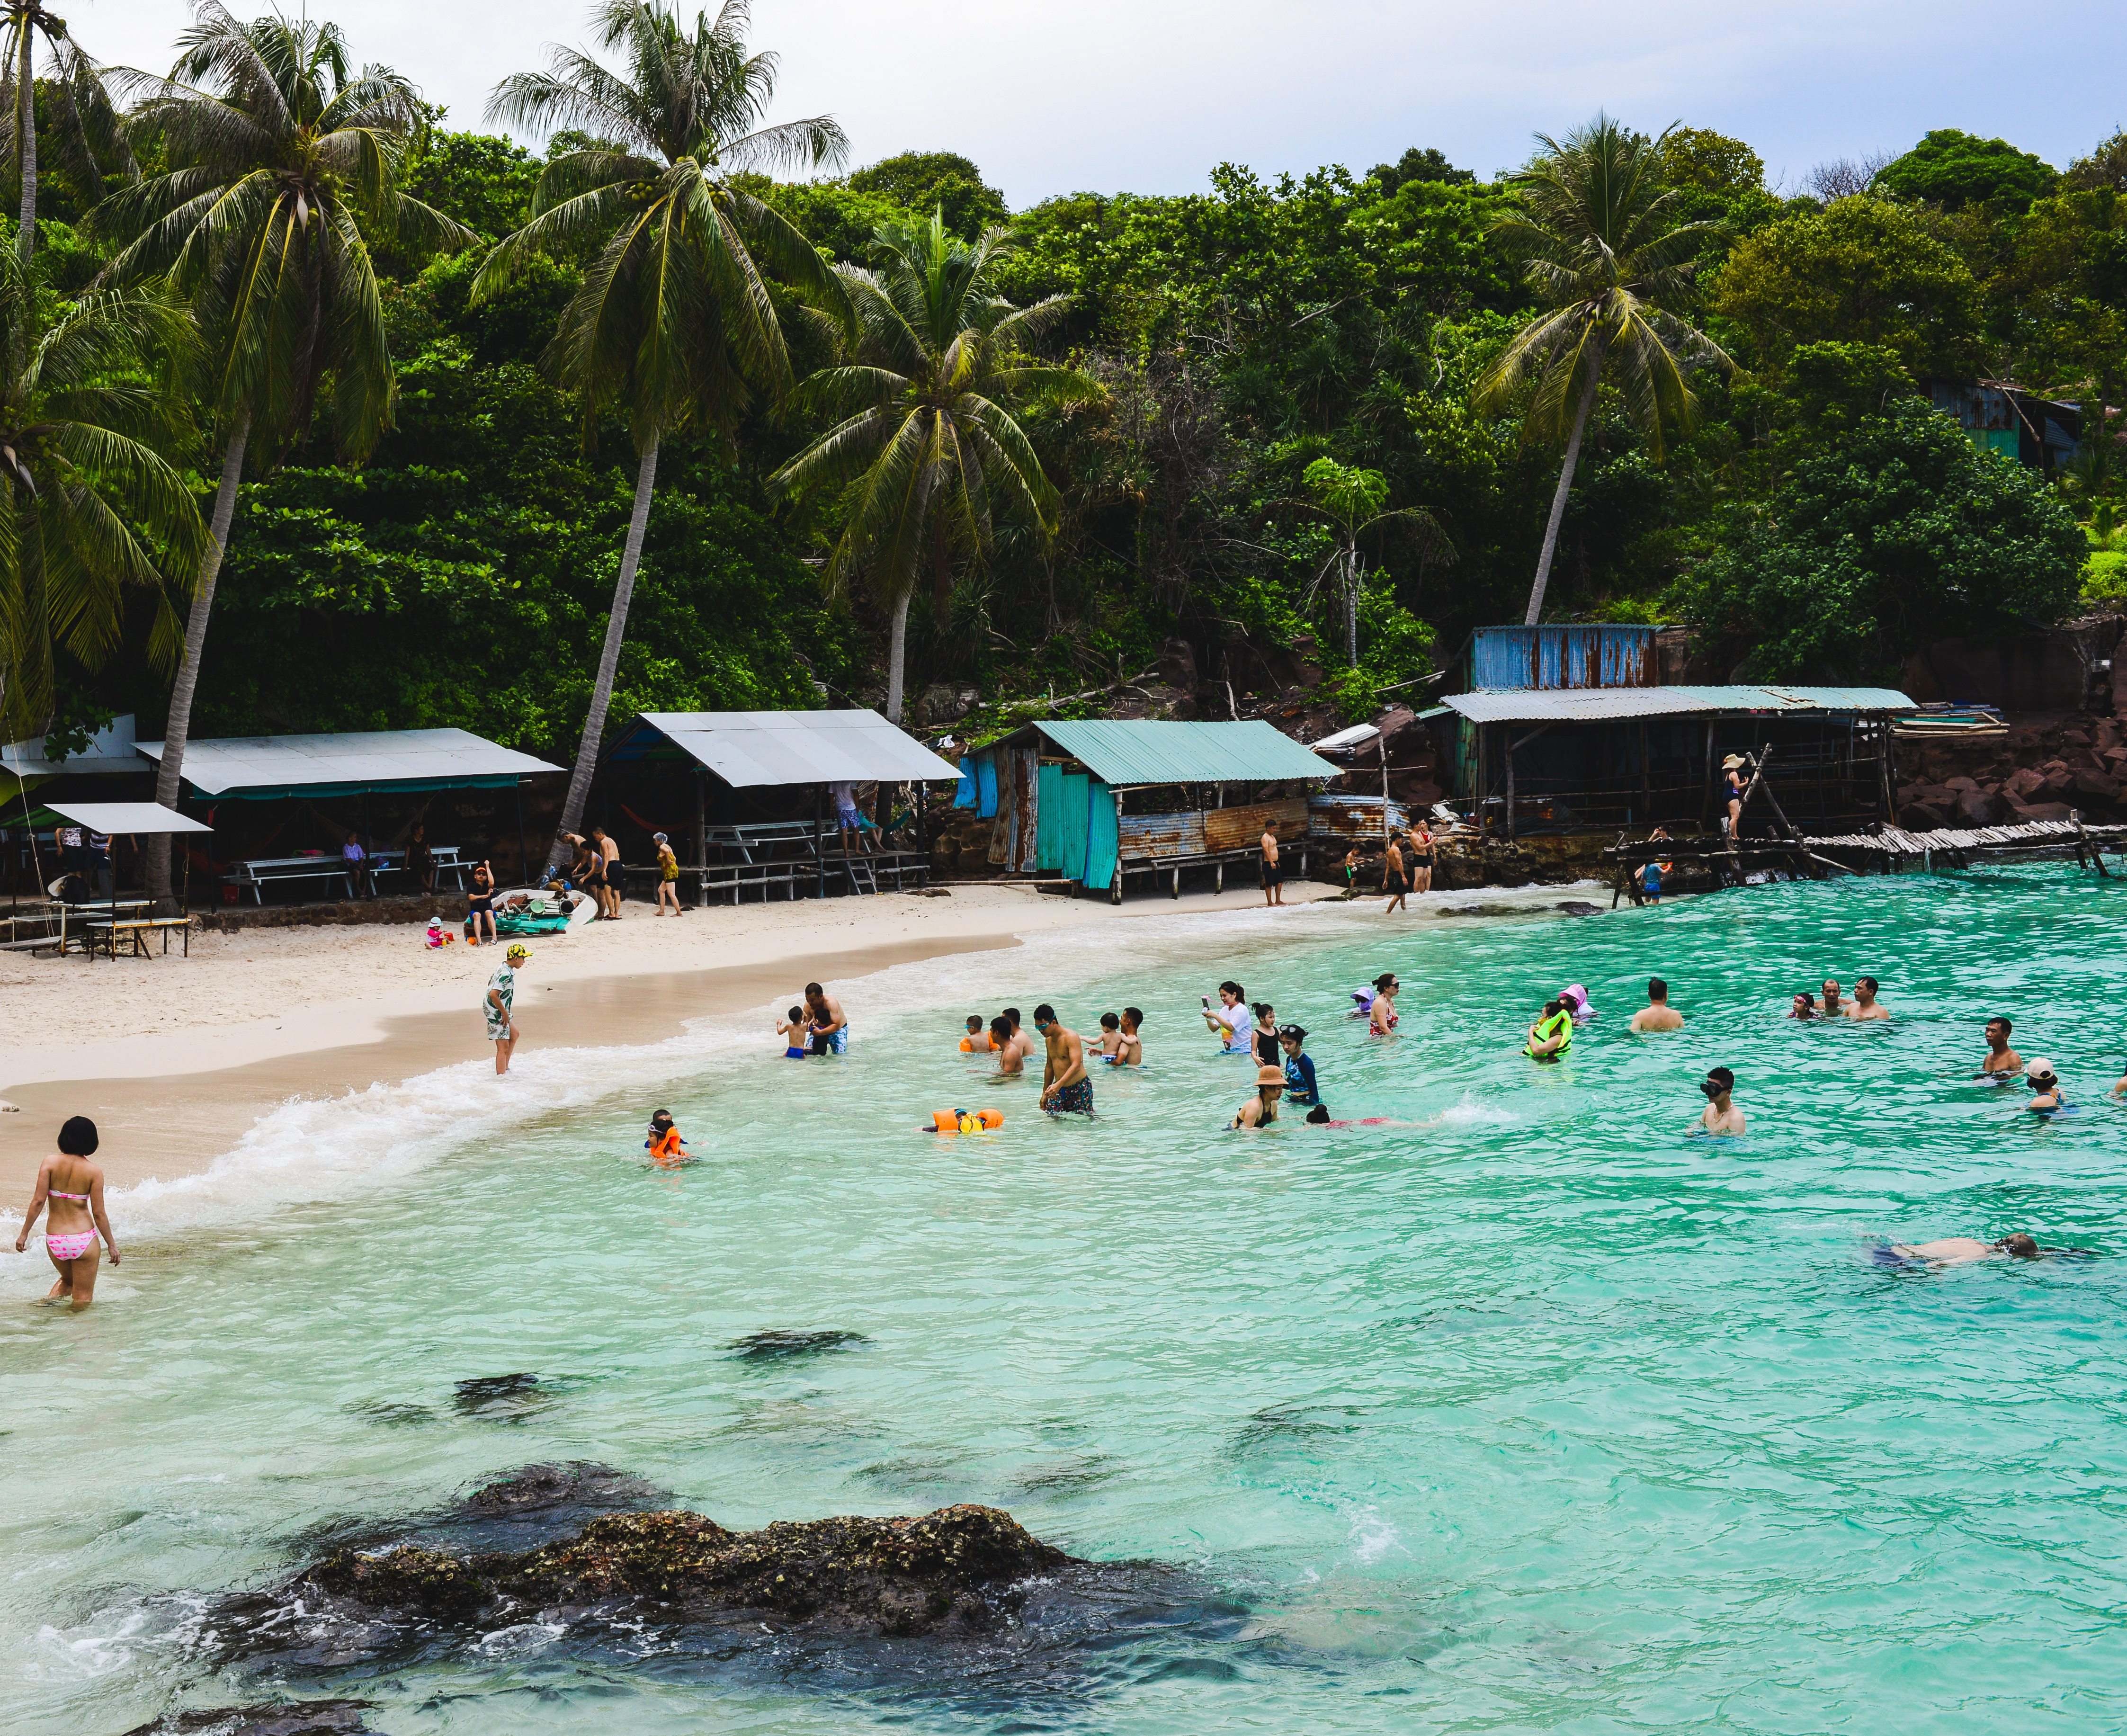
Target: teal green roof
<point x="1119" y="752"/>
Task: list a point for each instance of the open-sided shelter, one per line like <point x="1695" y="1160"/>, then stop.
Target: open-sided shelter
<point x="1095" y="800"/>
<point x="760" y="781"/>
<point x="1568" y="727"/>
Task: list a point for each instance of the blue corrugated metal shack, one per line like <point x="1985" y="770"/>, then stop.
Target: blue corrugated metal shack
<point x="2000" y="416"/>
<point x="1094" y="801"/>
<point x="1568" y="728"/>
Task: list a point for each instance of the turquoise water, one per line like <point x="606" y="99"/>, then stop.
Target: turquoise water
<point x="1543" y="1415"/>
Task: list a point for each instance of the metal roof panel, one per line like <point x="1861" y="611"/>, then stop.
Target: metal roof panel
<point x="751" y="749"/>
<point x="1602" y="705"/>
<point x="1121" y="751"/>
<point x="366" y="759"/>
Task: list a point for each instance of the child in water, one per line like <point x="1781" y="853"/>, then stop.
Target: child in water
<point x="977" y="1041"/>
<point x="664" y="1145"/>
<point x="1112" y="1038"/>
<point x="794" y="1031"/>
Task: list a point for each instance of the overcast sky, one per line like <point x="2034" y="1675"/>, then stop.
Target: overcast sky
<point x="1053" y="96"/>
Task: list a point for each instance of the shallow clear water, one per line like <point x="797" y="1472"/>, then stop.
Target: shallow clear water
<point x="1541" y="1415"/>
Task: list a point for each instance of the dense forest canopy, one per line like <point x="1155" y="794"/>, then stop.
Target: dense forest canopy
<point x="1814" y="515"/>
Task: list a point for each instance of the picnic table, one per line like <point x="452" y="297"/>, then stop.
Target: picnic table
<point x="441" y="857"/>
<point x="765" y="835"/>
<point x="255" y="874"/>
<point x="136" y="929"/>
<point x="38" y="924"/>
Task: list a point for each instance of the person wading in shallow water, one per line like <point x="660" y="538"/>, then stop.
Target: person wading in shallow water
<point x="830" y="1025"/>
<point x="1260" y="1110"/>
<point x="1394" y="881"/>
<point x="72" y="1188"/>
<point x="2001" y="1061"/>
<point x="500" y="999"/>
<point x="1065" y="1089"/>
<point x="1720" y="1115"/>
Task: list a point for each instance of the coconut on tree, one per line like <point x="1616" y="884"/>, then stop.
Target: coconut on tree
<point x="1604" y="252"/>
<point x="283" y="164"/>
<point x="673" y="325"/>
<point x="924" y="450"/>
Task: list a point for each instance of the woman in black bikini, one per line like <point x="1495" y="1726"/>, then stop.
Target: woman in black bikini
<point x="480" y="906"/>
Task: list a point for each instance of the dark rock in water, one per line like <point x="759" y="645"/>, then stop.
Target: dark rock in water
<point x="1579" y="907"/>
<point x="581" y="1482"/>
<point x="297" y="1718"/>
<point x="953" y="1569"/>
<point x="499" y="1394"/>
<point x="780" y="1346"/>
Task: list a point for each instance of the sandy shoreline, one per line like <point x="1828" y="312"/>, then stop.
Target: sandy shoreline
<point x="175" y="1059"/>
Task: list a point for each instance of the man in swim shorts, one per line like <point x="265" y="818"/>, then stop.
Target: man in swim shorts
<point x="1273" y="876"/>
<point x="501" y="997"/>
<point x="1657" y="1015"/>
<point x="2002" y="1060"/>
<point x="1065" y="1089"/>
<point x="1721" y="1116"/>
<point x="831" y="1026"/>
<point x="1394" y="881"/>
<point x="1865" y="1005"/>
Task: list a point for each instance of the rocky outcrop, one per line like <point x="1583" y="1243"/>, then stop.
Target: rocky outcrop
<point x="293" y="1717"/>
<point x="2044" y="768"/>
<point x="953" y="1569"/>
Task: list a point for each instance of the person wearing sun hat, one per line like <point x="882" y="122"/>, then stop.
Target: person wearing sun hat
<point x="1732" y="792"/>
<point x="1260" y="1110"/>
<point x="501" y="997"/>
<point x="2045" y="1087"/>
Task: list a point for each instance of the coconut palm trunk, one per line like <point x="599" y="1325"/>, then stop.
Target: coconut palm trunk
<point x="179" y="727"/>
<point x="1565" y="488"/>
<point x="897" y="659"/>
<point x="25" y="102"/>
<point x="616" y="631"/>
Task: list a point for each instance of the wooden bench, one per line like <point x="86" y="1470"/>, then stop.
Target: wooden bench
<point x="137" y="929"/>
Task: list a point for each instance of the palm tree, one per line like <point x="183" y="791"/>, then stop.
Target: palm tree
<point x="924" y="447"/>
<point x="1594" y="220"/>
<point x="281" y="158"/>
<point x="89" y="133"/>
<point x="1352" y="499"/>
<point x="79" y="398"/>
<point x="674" y="323"/>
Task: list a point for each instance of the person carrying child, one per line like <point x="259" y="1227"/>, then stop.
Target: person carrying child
<point x="664" y="1145"/>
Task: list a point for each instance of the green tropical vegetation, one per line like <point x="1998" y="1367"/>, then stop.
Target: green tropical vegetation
<point x="654" y="405"/>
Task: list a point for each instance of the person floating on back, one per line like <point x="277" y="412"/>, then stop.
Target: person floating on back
<point x="1657" y="1015"/>
<point x="1553" y="1033"/>
<point x="2001" y="1062"/>
<point x="1721" y="1116"/>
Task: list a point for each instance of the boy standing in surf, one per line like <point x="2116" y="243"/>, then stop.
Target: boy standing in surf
<point x="501" y="997"/>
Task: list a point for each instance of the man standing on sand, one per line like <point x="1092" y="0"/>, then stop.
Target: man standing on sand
<point x="1721" y="1116"/>
<point x="501" y="997"/>
<point x="1065" y="1089"/>
<point x="830" y="1025"/>
<point x="1864" y="1004"/>
<point x="1657" y="1015"/>
<point x="2001" y="1061"/>
<point x="609" y="872"/>
<point x="1273" y="876"/>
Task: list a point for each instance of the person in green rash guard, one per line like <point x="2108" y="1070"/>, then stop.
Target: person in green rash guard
<point x="1551" y="1035"/>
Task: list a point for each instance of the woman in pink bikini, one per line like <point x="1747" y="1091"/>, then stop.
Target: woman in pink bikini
<point x="72" y="1188"/>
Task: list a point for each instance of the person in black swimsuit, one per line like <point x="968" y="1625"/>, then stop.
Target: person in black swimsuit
<point x="480" y="906"/>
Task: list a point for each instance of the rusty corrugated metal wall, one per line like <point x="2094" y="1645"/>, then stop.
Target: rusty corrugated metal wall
<point x="1567" y="656"/>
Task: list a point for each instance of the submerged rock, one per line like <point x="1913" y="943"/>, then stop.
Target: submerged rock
<point x="580" y="1482"/>
<point x="780" y="1346"/>
<point x="498" y="1394"/>
<point x="954" y="1568"/>
<point x="296" y="1718"/>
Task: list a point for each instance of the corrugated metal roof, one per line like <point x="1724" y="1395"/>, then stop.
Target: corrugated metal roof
<point x="1119" y="752"/>
<point x="1599" y="704"/>
<point x="260" y="767"/>
<point x="750" y="749"/>
<point x="121" y="818"/>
